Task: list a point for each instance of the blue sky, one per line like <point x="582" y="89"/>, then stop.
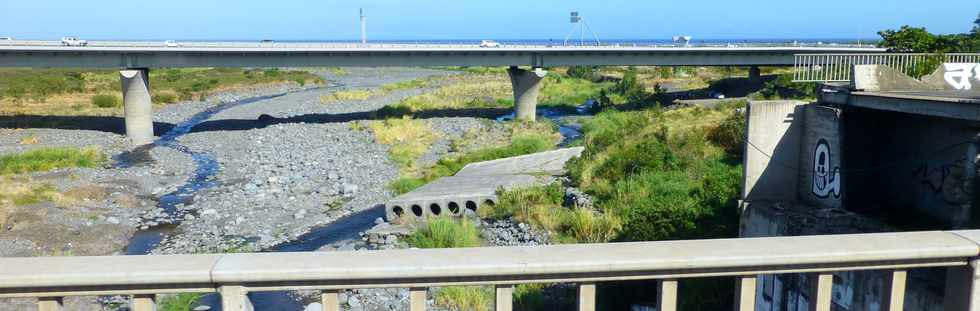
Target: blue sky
<point x="485" y="19"/>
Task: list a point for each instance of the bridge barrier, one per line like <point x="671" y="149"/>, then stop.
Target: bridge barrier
<point x="833" y="67"/>
<point x="234" y="275"/>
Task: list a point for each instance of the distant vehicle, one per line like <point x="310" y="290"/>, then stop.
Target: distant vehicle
<point x="6" y="38"/>
<point x="683" y="40"/>
<point x="266" y="41"/>
<point x="489" y="44"/>
<point x="716" y="95"/>
<point x="173" y="44"/>
<point x="73" y="41"/>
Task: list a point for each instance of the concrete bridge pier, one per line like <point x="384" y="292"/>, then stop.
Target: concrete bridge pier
<point x="526" y="84"/>
<point x="137" y="105"/>
<point x="755" y="75"/>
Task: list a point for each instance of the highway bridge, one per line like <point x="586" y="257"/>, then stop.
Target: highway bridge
<point x="135" y="58"/>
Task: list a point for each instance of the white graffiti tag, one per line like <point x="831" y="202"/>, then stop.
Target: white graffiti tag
<point x="826" y="181"/>
<point x="958" y="74"/>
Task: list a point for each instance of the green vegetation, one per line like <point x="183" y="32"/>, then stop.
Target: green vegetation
<point x="179" y="302"/>
<point x="404" y="85"/>
<point x="82" y="92"/>
<point x="783" y="87"/>
<point x="541" y="207"/>
<point x="408" y="140"/>
<point x="520" y="144"/>
<point x="106" y="101"/>
<point x="445" y="232"/>
<point x="45" y="159"/>
<point x="363" y="94"/>
<point x="25" y="193"/>
<point x="465" y="298"/>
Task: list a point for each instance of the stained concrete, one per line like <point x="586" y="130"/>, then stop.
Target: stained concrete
<point x="541" y="163"/>
<point x="477" y="184"/>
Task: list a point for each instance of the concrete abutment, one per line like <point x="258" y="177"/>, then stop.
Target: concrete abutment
<point x="526" y="84"/>
<point x="137" y="106"/>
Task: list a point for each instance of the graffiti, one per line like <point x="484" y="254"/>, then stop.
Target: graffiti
<point x="958" y="74"/>
<point x="944" y="181"/>
<point x="826" y="180"/>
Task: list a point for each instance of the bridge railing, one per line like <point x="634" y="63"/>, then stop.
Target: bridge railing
<point x="837" y="67"/>
<point x="234" y="275"/>
<point x="423" y="44"/>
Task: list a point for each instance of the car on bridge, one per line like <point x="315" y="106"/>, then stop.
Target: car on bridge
<point x="489" y="44"/>
<point x="73" y="41"/>
<point x="173" y="44"/>
<point x="6" y="38"/>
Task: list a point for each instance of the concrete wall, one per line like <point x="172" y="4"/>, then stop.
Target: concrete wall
<point x="820" y="182"/>
<point x="907" y="164"/>
<point x="774" y="129"/>
<point x="861" y="290"/>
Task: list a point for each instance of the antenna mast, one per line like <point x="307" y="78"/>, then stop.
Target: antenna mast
<point x="579" y="22"/>
<point x="363" y="28"/>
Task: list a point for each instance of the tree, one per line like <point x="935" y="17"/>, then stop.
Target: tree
<point x="908" y="40"/>
<point x="976" y="25"/>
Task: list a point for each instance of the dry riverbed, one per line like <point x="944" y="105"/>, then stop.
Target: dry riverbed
<point x="284" y="165"/>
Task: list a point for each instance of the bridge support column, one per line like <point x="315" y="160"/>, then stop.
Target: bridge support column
<point x="526" y="84"/>
<point x="137" y="105"/>
<point x="755" y="75"/>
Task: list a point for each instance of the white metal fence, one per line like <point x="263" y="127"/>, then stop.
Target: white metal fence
<point x="837" y="67"/>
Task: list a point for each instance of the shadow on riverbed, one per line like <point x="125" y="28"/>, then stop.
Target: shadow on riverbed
<point x="115" y="125"/>
<point x="319" y="118"/>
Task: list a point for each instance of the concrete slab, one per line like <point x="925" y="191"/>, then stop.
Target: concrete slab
<point x="477" y="184"/>
<point x="542" y="163"/>
<point x="452" y="195"/>
<point x="878" y="78"/>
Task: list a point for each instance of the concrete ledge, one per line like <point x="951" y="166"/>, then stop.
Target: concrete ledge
<point x="489" y="265"/>
<point x="541" y="163"/>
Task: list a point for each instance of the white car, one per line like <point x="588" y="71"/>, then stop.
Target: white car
<point x="73" y="41"/>
<point x="172" y="44"/>
<point x="6" y="38"/>
<point x="489" y="44"/>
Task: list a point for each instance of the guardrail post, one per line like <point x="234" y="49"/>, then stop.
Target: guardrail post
<point x="50" y="304"/>
<point x="893" y="299"/>
<point x="667" y="295"/>
<point x="821" y="288"/>
<point x="330" y="300"/>
<point x="144" y="302"/>
<point x="745" y="292"/>
<point x="963" y="287"/>
<point x="233" y="298"/>
<point x="505" y="298"/>
<point x="417" y="299"/>
<point x="586" y="297"/>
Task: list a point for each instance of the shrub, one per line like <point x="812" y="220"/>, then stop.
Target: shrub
<point x="445" y="232"/>
<point x="106" y="101"/>
<point x="730" y="133"/>
<point x="179" y="302"/>
<point x="164" y="98"/>
<point x="45" y="159"/>
<point x="465" y="298"/>
<point x="541" y="207"/>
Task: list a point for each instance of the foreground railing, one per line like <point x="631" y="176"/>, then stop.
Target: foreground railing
<point x="234" y="275"/>
<point x="837" y="67"/>
<point x="424" y="44"/>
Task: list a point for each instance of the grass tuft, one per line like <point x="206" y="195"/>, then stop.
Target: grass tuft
<point x="407" y="139"/>
<point x="465" y="298"/>
<point x="106" y="101"/>
<point x="45" y="159"/>
<point x="445" y="232"/>
<point x="179" y="302"/>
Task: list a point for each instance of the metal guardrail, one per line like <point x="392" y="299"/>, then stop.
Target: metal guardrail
<point x="233" y="275"/>
<point x="837" y="67"/>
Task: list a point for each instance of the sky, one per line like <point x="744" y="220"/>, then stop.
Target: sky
<point x="471" y="19"/>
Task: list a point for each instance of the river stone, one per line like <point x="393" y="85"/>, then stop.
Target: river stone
<point x="316" y="306"/>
